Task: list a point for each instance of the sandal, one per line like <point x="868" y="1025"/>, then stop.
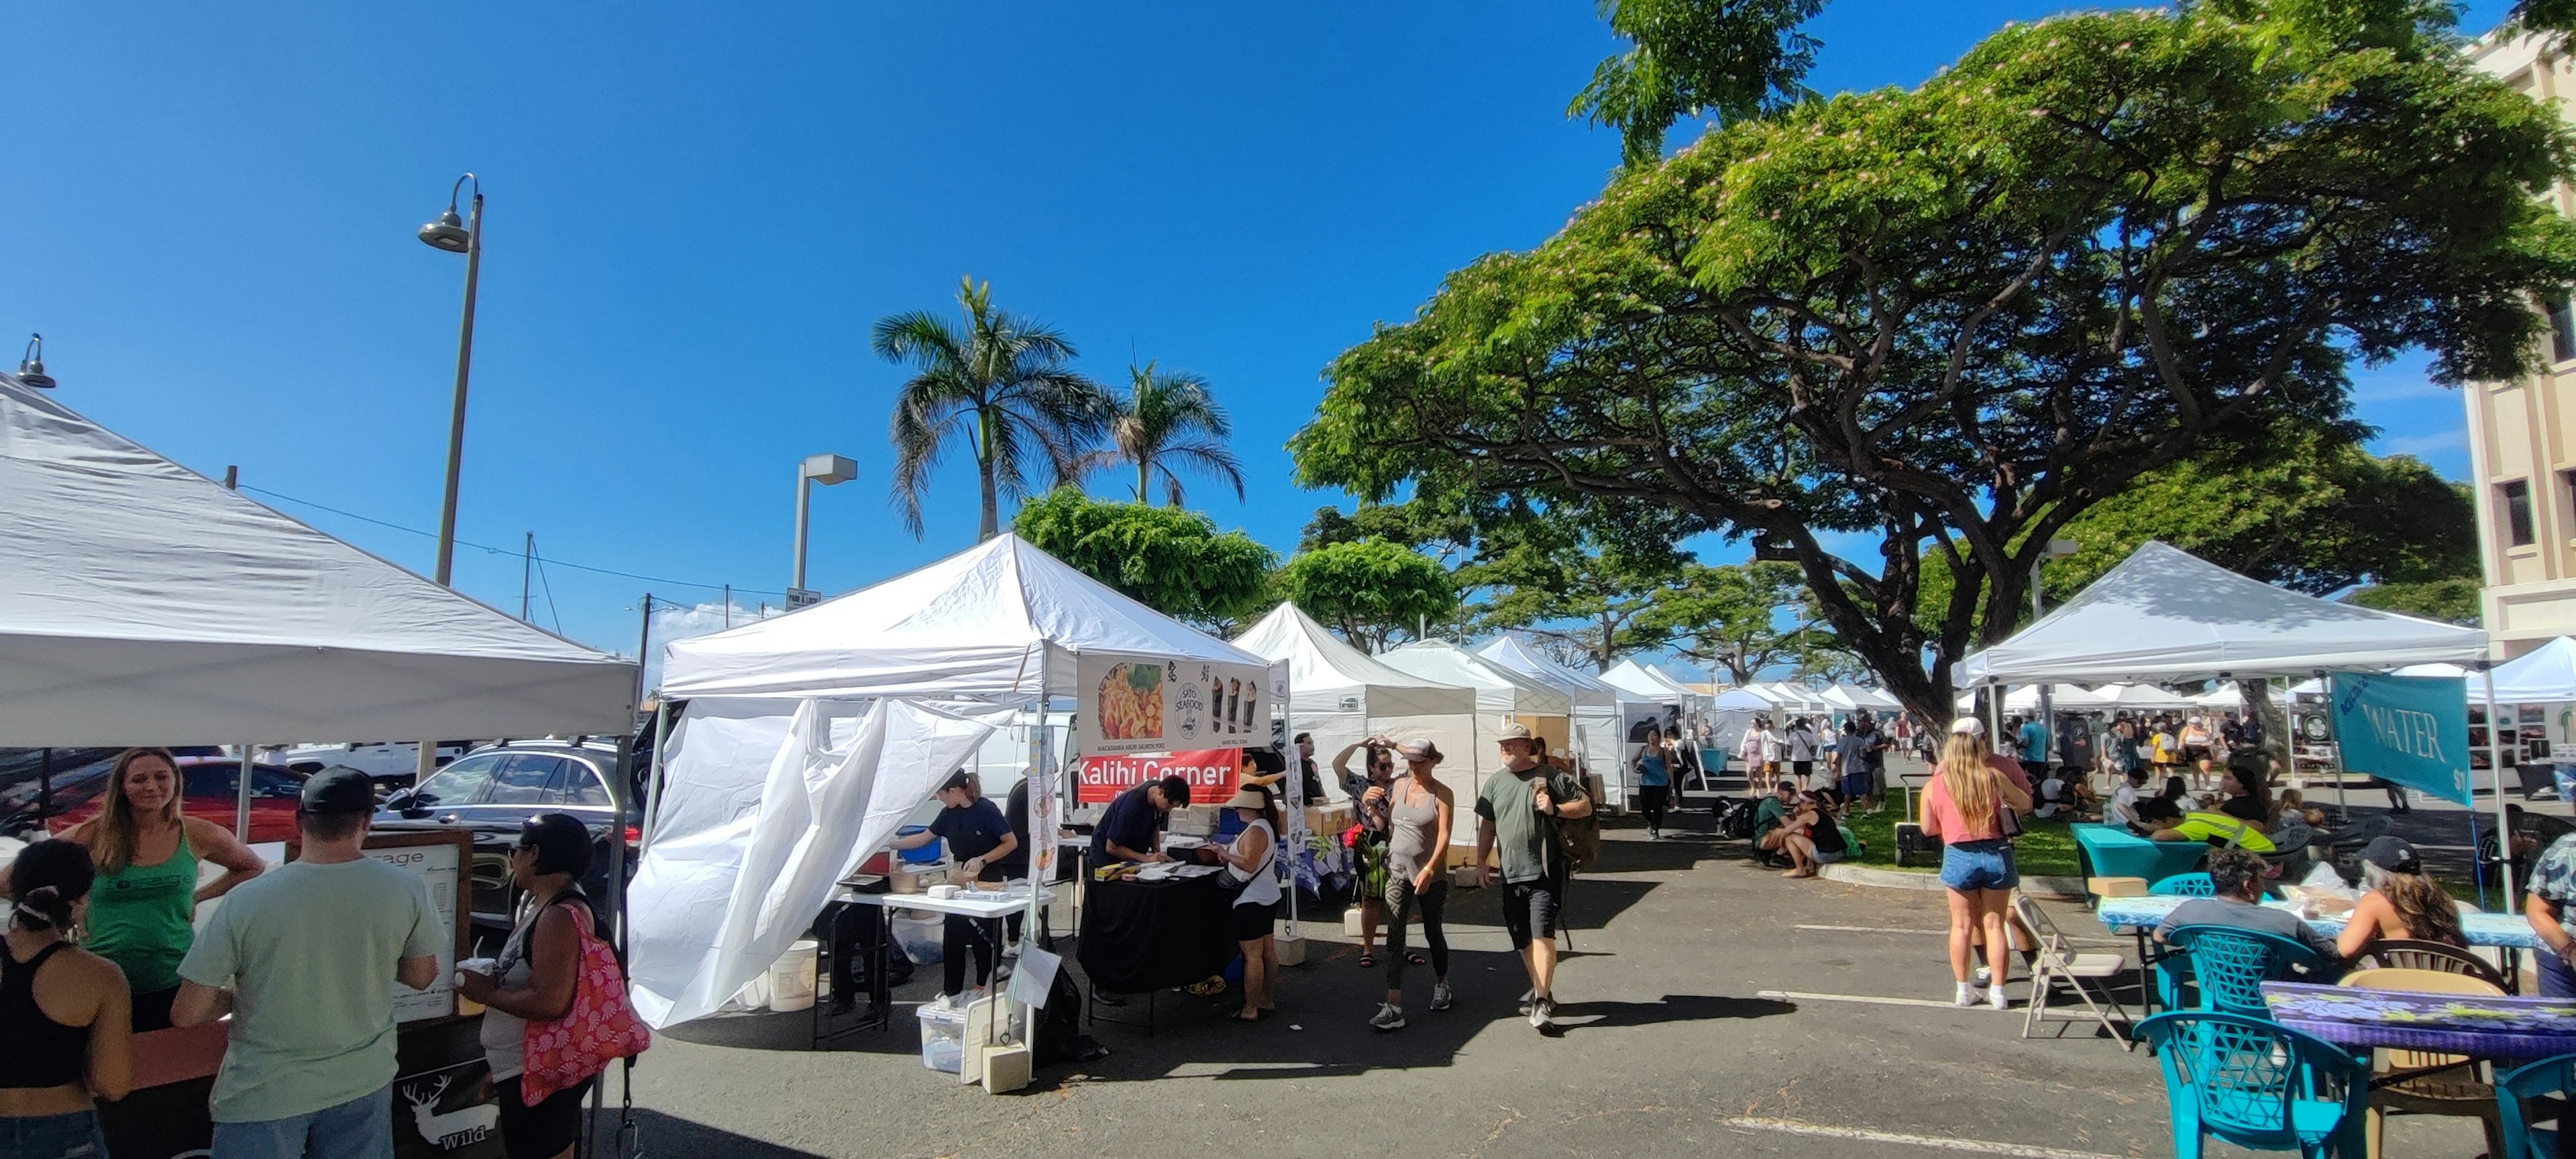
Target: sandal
<point x="1367" y="960"/>
<point x="1415" y="959"/>
<point x="1203" y="989"/>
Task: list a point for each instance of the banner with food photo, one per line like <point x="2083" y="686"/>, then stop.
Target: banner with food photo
<point x="1135" y="704"/>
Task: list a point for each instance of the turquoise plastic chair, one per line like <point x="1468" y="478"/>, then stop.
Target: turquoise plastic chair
<point x="2257" y="1084"/>
<point x="2524" y="1139"/>
<point x="2185" y="885"/>
<point x="2231" y="966"/>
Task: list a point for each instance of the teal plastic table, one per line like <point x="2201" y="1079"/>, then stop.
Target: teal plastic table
<point x="2113" y="851"/>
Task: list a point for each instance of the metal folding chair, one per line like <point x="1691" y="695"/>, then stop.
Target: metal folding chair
<point x="2058" y="963"/>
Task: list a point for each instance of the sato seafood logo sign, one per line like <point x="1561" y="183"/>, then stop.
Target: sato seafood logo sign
<point x="1210" y="773"/>
<point x="2413" y="730"/>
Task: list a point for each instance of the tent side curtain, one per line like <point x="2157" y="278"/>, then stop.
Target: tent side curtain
<point x="764" y="805"/>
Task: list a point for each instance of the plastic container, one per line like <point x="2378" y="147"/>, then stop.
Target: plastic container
<point x="920" y="936"/>
<point x="927" y="854"/>
<point x="943" y="1037"/>
<point x="791" y="978"/>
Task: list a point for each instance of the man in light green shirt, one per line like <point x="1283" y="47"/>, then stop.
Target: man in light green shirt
<point x="1516" y="816"/>
<point x="304" y="957"/>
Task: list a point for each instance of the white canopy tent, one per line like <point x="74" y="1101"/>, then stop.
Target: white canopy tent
<point x="2142" y="698"/>
<point x="1501" y="694"/>
<point x="1343" y="695"/>
<point x="1648" y="683"/>
<point x="142" y="603"/>
<point x="1602" y="711"/>
<point x="866" y="698"/>
<point x="2166" y="614"/>
<point x="2546" y="675"/>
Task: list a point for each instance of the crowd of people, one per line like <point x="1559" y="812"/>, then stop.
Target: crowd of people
<point x="303" y="957"/>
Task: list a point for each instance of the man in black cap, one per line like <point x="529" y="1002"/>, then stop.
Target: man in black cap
<point x="301" y="956"/>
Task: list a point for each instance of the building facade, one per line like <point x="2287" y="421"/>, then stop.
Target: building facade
<point x="2522" y="434"/>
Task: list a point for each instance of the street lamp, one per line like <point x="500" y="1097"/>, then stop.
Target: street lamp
<point x="31" y="364"/>
<point x="826" y="470"/>
<point x="457" y="237"/>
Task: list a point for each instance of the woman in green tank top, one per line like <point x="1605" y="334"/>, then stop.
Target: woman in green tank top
<point x="142" y="908"/>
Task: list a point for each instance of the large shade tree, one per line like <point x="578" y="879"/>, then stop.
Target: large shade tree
<point x="1947" y="321"/>
<point x="1741" y="619"/>
<point x="999" y="383"/>
<point x="1732" y="58"/>
<point x="1370" y="590"/>
<point x="1167" y="420"/>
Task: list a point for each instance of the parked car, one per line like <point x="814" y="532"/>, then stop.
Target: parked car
<point x="392" y="766"/>
<point x="211" y="788"/>
<point x="491" y="791"/>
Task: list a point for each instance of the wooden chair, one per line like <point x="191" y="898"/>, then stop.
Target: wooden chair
<point x="2418" y="1082"/>
<point x="2440" y="957"/>
<point x="2057" y="962"/>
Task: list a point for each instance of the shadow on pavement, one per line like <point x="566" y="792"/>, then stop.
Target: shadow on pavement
<point x="664" y="1135"/>
<point x="1576" y="1016"/>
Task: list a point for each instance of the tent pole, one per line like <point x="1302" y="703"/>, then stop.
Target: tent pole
<point x="653" y="776"/>
<point x="2495" y="770"/>
<point x="241" y="798"/>
<point x="2333" y="743"/>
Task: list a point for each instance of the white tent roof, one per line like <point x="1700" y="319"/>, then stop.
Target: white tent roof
<point x="1790" y="697"/>
<point x="1327" y="675"/>
<point x="2141" y="696"/>
<point x="1498" y="689"/>
<point x="1585" y="689"/>
<point x="2544" y="676"/>
<point x="2166" y="614"/>
<point x="1738" y="700"/>
<point x="141" y="603"/>
<point x="1857" y="698"/>
<point x="983" y="623"/>
<point x="1640" y="682"/>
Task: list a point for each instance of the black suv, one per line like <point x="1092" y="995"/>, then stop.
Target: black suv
<point x="491" y="791"/>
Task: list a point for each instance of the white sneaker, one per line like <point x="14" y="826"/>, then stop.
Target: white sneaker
<point x="1440" y="996"/>
<point x="1541" y="1010"/>
<point x="1967" y="995"/>
<point x="1528" y="996"/>
<point x="1996" y="998"/>
<point x="1389" y="1017"/>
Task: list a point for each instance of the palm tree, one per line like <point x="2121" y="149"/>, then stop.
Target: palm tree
<point x="1163" y="420"/>
<point x="1000" y="381"/>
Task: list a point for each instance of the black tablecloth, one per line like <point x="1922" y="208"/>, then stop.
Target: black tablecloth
<point x="1141" y="936"/>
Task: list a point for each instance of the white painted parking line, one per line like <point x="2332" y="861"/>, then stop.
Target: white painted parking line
<point x="1873" y="930"/>
<point x="1865" y="999"/>
<point x="1865" y="1135"/>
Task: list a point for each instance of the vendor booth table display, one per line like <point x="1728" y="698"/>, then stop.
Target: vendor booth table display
<point x="2114" y="851"/>
<point x="809" y="738"/>
<point x="144" y="604"/>
<point x="1342" y="695"/>
<point x="1139" y="937"/>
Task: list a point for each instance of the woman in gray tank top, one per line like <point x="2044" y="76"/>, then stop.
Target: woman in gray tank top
<point x="1419" y="809"/>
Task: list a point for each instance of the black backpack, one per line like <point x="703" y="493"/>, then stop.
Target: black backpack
<point x="1735" y="817"/>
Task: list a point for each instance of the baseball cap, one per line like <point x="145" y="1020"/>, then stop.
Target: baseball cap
<point x="338" y="790"/>
<point x="1513" y="730"/>
<point x="1419" y="749"/>
<point x="1968" y="726"/>
<point x="2392" y="854"/>
<point x="956" y="780"/>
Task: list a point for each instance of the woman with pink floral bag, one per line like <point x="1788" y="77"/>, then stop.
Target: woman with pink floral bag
<point x="556" y="998"/>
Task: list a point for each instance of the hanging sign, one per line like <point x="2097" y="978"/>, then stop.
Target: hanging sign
<point x="1136" y="704"/>
<point x="2410" y="730"/>
<point x="1210" y="773"/>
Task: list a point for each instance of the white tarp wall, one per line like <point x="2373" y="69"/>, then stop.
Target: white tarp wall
<point x="744" y="851"/>
<point x="1601" y="713"/>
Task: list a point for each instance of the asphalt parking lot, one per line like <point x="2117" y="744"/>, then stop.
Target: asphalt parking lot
<point x="1711" y="1005"/>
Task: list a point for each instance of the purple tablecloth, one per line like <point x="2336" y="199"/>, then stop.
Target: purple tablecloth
<point x="2448" y="1023"/>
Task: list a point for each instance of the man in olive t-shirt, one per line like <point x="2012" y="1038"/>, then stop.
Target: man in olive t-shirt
<point x="1516" y="819"/>
<point x="305" y="957"/>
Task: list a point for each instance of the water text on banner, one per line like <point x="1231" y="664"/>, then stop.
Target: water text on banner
<point x="2411" y="730"/>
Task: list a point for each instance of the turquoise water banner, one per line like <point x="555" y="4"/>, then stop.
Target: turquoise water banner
<point x="2412" y="730"/>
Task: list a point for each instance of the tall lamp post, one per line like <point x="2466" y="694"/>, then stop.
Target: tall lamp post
<point x="826" y="470"/>
<point x="457" y="237"/>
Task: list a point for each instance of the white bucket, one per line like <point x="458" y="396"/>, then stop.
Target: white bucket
<point x="791" y="978"/>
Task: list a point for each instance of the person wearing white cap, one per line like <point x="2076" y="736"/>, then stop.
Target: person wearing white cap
<point x="1964" y="808"/>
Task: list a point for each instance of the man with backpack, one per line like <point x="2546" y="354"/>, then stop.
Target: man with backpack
<point x="1517" y="816"/>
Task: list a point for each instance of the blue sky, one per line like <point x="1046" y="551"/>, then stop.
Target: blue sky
<point x="695" y="211"/>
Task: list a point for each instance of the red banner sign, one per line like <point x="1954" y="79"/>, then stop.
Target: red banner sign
<point x="1210" y="773"/>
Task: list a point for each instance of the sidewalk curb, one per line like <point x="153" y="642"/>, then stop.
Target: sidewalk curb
<point x="1849" y="874"/>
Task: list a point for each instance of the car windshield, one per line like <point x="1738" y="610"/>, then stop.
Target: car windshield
<point x="462" y="782"/>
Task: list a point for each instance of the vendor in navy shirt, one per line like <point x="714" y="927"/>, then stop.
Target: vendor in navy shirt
<point x="1131" y="828"/>
<point x="980" y="840"/>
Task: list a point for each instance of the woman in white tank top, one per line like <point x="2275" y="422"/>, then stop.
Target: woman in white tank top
<point x="1252" y="862"/>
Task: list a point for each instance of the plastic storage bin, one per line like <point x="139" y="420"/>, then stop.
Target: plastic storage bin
<point x="919" y="936"/>
<point x="927" y="854"/>
<point x="943" y="1037"/>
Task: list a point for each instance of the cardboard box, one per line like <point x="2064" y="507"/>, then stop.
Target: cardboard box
<point x="1006" y="1068"/>
<point x="1292" y="951"/>
<point x="1328" y="820"/>
<point x="1193" y="820"/>
<point x="2116" y="886"/>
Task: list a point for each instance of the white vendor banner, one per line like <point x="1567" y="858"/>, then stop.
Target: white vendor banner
<point x="1139" y="704"/>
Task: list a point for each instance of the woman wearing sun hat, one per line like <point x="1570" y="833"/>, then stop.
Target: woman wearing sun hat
<point x="1419" y="812"/>
<point x="1252" y="862"/>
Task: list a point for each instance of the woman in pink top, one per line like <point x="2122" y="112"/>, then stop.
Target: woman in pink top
<point x="1963" y="808"/>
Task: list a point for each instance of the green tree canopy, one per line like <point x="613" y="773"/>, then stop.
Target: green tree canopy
<point x="2455" y="600"/>
<point x="1945" y="322"/>
<point x="1168" y="419"/>
<point x="1740" y="619"/>
<point x="1171" y="560"/>
<point x="1369" y="590"/>
<point x="1588" y="597"/>
<point x="1736" y="58"/>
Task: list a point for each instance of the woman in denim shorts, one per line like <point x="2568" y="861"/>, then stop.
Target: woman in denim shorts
<point x="1964" y="808"/>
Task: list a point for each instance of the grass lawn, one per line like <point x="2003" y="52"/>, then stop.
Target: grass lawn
<point x="2044" y="848"/>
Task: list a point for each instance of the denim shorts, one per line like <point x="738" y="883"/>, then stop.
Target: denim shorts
<point x="72" y="1136"/>
<point x="1971" y="865"/>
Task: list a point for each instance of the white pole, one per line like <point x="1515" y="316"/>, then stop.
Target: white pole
<point x="2334" y="740"/>
<point x="2495" y="769"/>
<point x="241" y="803"/>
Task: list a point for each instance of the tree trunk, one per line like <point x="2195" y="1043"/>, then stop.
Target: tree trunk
<point x="2275" y="723"/>
<point x="991" y="524"/>
<point x="1145" y="481"/>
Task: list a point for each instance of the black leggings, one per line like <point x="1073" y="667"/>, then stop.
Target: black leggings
<point x="956" y="936"/>
<point x="1400" y="904"/>
<point x="1650" y="801"/>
